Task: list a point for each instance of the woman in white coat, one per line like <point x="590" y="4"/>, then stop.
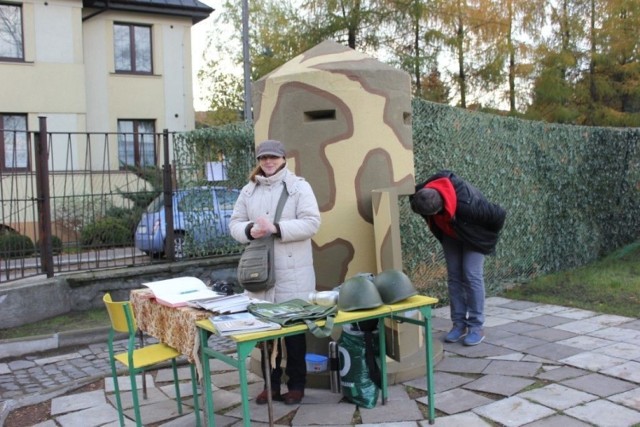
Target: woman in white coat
<point x="252" y="218"/>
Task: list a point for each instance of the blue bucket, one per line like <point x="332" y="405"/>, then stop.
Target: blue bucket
<point x="316" y="362"/>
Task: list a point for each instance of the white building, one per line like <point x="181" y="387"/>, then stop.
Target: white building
<point x="121" y="67"/>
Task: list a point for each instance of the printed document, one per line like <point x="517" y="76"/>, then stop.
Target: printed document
<point x="240" y="323"/>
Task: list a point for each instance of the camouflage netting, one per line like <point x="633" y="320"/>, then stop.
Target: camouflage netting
<point x="231" y="145"/>
<point x="572" y="193"/>
<point x="230" y="149"/>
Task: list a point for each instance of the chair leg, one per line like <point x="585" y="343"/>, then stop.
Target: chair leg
<point x="176" y="383"/>
<point x="144" y="377"/>
<point x="116" y="389"/>
<point x="196" y="398"/>
<point x="134" y="395"/>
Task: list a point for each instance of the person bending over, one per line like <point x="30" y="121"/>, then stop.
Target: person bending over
<point x="468" y="227"/>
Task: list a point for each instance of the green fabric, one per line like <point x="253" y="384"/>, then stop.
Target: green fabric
<point x="297" y="311"/>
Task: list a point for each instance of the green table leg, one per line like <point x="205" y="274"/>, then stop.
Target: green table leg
<point x="426" y="314"/>
<point x="382" y="345"/>
<point x="196" y="396"/>
<point x="244" y="349"/>
<point x="426" y="326"/>
<point x="206" y="373"/>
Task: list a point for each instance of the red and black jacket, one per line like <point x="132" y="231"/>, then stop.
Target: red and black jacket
<point x="467" y="215"/>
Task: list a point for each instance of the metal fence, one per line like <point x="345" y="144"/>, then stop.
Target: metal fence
<point x="77" y="203"/>
<point x="571" y="193"/>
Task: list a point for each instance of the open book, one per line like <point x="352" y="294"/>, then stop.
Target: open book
<point x="239" y="323"/>
<point x="178" y="291"/>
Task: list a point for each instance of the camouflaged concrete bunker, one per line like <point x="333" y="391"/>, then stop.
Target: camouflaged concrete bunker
<point x="345" y="119"/>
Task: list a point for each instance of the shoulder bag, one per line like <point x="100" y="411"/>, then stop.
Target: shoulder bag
<point x="256" y="268"/>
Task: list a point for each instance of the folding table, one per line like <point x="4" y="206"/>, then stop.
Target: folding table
<point x="246" y="342"/>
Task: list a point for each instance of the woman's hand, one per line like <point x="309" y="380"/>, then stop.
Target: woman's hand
<point x="262" y="227"/>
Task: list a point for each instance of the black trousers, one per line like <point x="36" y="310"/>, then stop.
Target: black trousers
<point x="296" y="368"/>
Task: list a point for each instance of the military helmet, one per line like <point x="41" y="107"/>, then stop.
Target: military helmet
<point x="358" y="293"/>
<point x="394" y="286"/>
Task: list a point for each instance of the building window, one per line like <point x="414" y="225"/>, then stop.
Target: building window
<point x="15" y="150"/>
<point x="136" y="143"/>
<point x="11" y="46"/>
<point x="132" y="48"/>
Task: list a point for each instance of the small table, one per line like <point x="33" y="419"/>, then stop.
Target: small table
<point x="174" y="326"/>
<point x="246" y="342"/>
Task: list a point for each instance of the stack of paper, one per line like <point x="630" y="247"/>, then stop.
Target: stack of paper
<point x="178" y="291"/>
<point x="226" y="304"/>
<point x="240" y="323"/>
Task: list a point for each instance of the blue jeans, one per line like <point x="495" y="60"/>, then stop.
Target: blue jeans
<point x="465" y="271"/>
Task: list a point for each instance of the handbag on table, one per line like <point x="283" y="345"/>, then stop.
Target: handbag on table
<point x="256" y="268"/>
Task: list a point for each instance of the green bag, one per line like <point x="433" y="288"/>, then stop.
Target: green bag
<point x="357" y="370"/>
<point x="297" y="311"/>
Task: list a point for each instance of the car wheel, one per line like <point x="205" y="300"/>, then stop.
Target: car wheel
<point x="153" y="255"/>
<point x="178" y="245"/>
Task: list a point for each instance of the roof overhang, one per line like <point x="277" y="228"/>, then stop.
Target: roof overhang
<point x="193" y="9"/>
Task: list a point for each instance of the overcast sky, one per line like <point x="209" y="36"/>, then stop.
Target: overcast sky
<point x="199" y="34"/>
<point x="198" y="43"/>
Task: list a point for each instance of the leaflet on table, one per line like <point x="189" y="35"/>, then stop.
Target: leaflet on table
<point x="178" y="291"/>
<point x="240" y="323"/>
<point x="226" y="304"/>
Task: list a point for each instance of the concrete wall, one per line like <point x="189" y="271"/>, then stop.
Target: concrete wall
<point x="37" y="299"/>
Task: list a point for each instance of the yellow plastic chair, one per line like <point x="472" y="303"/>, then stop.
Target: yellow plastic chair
<point x="141" y="359"/>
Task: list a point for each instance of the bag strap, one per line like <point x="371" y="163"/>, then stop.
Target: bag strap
<point x="370" y="358"/>
<point x="281" y="202"/>
<point x="321" y="332"/>
<point x="328" y="314"/>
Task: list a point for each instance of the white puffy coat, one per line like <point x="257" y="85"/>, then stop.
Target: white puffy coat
<point x="300" y="220"/>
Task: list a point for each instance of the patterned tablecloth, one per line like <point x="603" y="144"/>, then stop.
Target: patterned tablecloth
<point x="173" y="326"/>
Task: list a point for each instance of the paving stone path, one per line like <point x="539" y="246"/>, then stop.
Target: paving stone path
<point x="539" y="366"/>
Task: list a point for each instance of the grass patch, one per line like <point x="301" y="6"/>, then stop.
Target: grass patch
<point x="74" y="320"/>
<point x="610" y="285"/>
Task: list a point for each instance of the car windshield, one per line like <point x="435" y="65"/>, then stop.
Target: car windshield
<point x="196" y="200"/>
<point x="227" y="198"/>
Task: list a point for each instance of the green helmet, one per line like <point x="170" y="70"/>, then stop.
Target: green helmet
<point x="394" y="286"/>
<point x="358" y="293"/>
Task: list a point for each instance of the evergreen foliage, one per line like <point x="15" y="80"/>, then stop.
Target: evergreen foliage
<point x="56" y="245"/>
<point x="14" y="245"/>
<point x="107" y="232"/>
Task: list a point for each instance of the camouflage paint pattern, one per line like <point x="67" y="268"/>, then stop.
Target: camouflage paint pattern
<point x="345" y="119"/>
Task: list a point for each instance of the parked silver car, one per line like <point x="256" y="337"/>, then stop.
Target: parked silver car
<point x="200" y="218"/>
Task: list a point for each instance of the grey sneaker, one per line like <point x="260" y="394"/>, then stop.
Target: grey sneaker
<point x="456" y="334"/>
<point x="474" y="338"/>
